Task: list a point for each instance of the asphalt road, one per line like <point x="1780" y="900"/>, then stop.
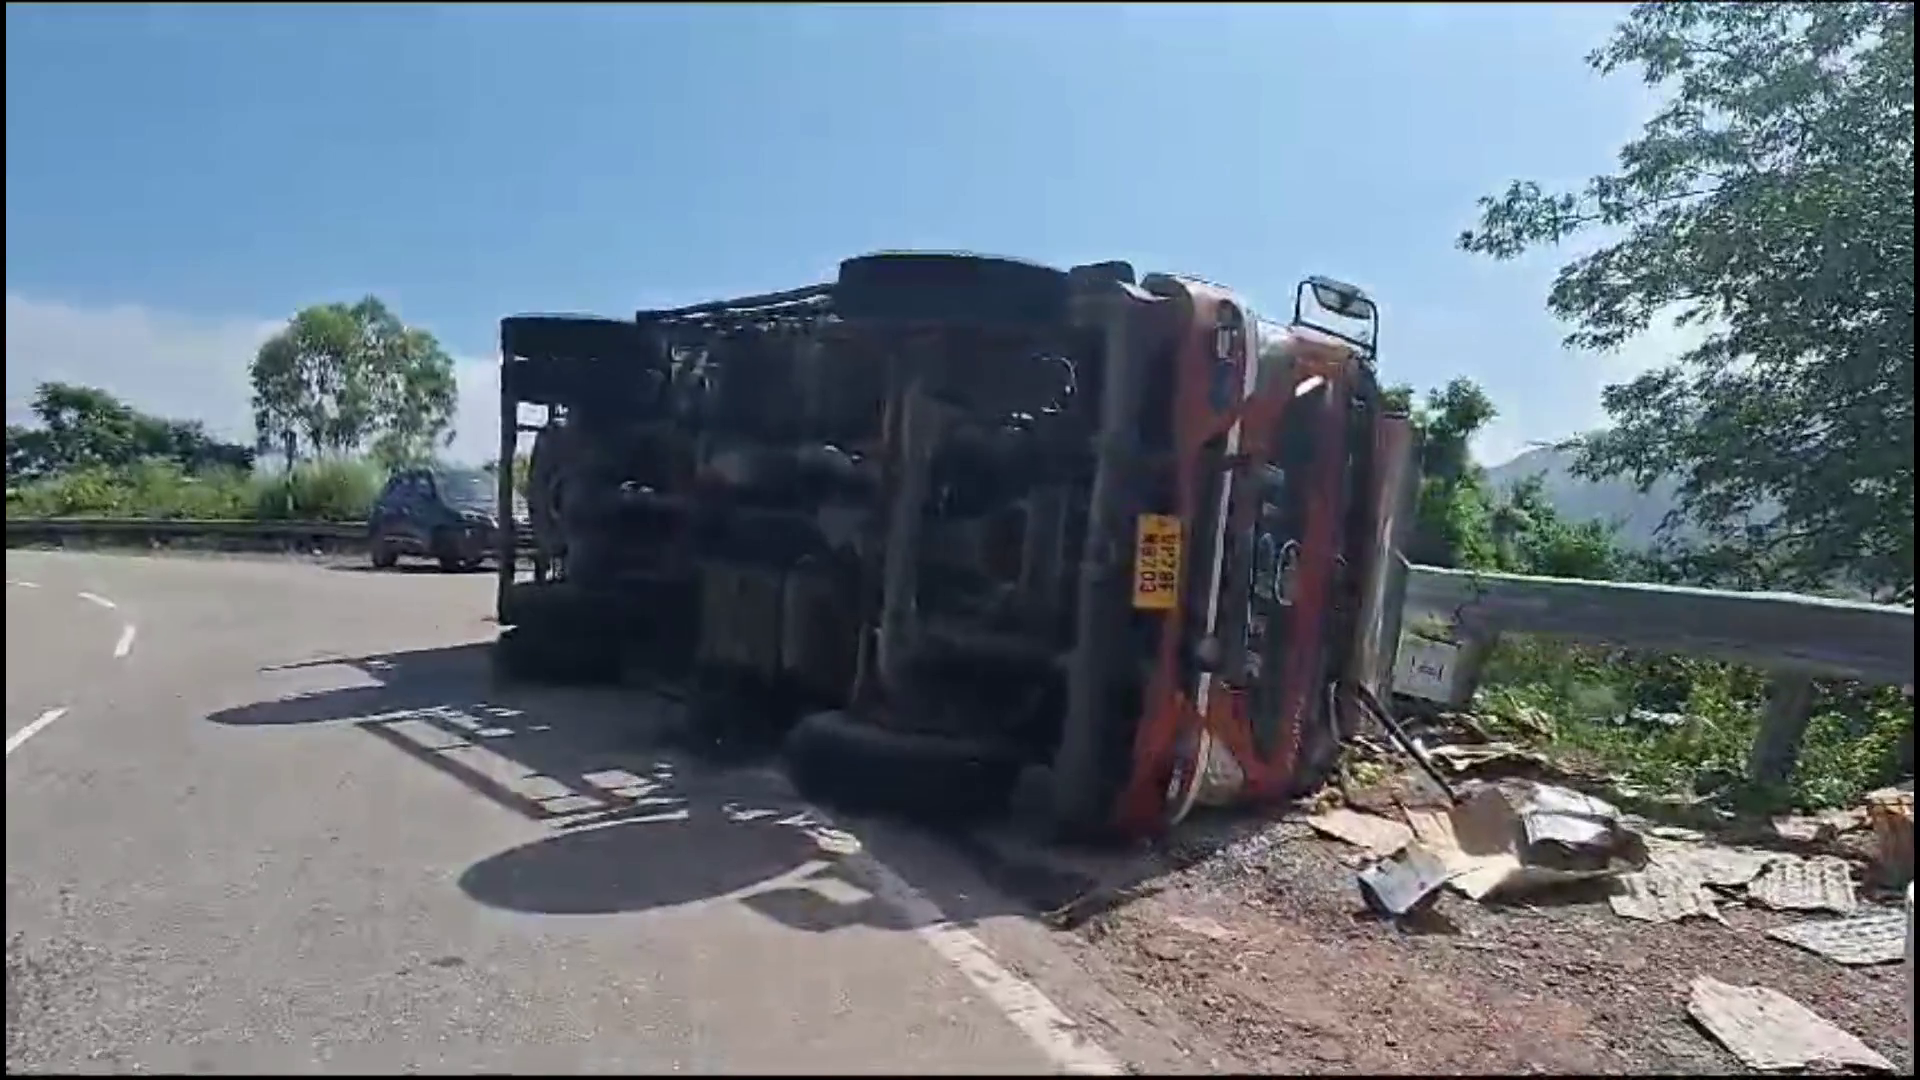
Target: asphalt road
<point x="280" y="820"/>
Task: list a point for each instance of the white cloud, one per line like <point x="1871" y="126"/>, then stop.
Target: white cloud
<point x="184" y="367"/>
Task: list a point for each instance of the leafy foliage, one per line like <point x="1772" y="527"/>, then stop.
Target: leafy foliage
<point x="1770" y="201"/>
<point x="82" y="427"/>
<point x="1460" y="521"/>
<point x="341" y="378"/>
<point x="1678" y="726"/>
<point x="336" y="490"/>
<point x="1669" y="725"/>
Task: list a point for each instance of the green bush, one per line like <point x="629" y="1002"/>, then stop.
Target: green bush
<point x="150" y="488"/>
<point x="336" y="489"/>
<point x="330" y="490"/>
<point x="1577" y="703"/>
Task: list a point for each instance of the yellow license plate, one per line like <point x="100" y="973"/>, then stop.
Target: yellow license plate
<point x="1156" y="562"/>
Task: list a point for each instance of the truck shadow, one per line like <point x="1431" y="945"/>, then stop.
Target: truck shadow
<point x="634" y="822"/>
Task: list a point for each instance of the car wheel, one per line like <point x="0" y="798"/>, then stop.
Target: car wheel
<point x="446" y="550"/>
<point x="383" y="553"/>
<point x="940" y="779"/>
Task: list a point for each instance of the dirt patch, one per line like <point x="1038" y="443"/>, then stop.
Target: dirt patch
<point x="1267" y="949"/>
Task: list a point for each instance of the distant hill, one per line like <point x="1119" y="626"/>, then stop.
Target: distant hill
<point x="1636" y="514"/>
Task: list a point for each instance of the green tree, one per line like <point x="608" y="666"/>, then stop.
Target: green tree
<point x="1769" y="202"/>
<point x="85" y="427"/>
<point x="342" y="377"/>
<point x="1451" y="521"/>
<point x="1531" y="537"/>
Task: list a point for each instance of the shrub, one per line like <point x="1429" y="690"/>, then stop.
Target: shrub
<point x="333" y="489"/>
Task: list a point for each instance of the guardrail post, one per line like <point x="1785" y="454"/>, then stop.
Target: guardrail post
<point x="1475" y="650"/>
<point x="1782" y="728"/>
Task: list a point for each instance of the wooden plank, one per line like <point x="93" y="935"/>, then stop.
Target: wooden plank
<point x="1774" y="631"/>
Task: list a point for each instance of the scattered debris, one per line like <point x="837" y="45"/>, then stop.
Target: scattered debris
<point x="1500" y="758"/>
<point x="1556" y="815"/>
<point x="1378" y="835"/>
<point x="1710" y="864"/>
<point x="1399" y="885"/>
<point x="1673" y="832"/>
<point x="1879" y="938"/>
<point x="1818" y="884"/>
<point x="1663" y="893"/>
<point x="1558" y="837"/>
<point x="1767" y="1030"/>
<point x="1802" y="830"/>
<point x="1890" y="812"/>
<point x="1822" y="831"/>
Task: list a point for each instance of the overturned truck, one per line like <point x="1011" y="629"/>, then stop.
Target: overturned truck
<point x="950" y="518"/>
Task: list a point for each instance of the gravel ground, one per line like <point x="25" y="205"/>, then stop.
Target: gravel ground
<point x="1267" y="949"/>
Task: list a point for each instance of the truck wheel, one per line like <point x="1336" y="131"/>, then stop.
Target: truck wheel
<point x="731" y="717"/>
<point x="942" y="287"/>
<point x="522" y="654"/>
<point x="940" y="779"/>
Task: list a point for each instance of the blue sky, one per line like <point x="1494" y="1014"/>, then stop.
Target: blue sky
<point x="180" y="179"/>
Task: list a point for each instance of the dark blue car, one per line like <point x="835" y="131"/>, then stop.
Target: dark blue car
<point x="440" y="513"/>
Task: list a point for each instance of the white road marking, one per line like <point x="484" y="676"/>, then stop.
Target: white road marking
<point x="96" y="598"/>
<point x="23" y="584"/>
<point x="125" y="645"/>
<point x="19" y="738"/>
<point x="1049" y="1029"/>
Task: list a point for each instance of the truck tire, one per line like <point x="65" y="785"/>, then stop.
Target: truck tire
<point x="944" y="287"/>
<point x="555" y="453"/>
<point x="525" y="655"/>
<point x="938" y="779"/>
<point x="733" y="718"/>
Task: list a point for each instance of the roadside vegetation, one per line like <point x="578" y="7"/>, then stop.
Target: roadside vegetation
<point x="1769" y="203"/>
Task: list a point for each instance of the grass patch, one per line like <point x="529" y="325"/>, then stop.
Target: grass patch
<point x="1675" y="726"/>
<point x="333" y="490"/>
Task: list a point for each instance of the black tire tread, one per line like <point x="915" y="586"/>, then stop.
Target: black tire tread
<point x="865" y="767"/>
<point x="950" y="287"/>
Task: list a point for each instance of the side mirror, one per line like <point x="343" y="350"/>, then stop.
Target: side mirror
<point x="1343" y="300"/>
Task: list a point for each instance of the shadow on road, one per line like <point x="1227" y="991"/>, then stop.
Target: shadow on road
<point x="635" y="823"/>
<point x="420" y="566"/>
<point x="781" y="863"/>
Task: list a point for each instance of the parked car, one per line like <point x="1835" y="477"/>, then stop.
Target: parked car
<point x="440" y="513"/>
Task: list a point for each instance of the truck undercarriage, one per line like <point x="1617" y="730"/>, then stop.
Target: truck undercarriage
<point x="950" y="518"/>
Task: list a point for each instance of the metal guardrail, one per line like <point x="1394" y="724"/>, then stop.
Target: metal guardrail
<point x="1797" y="638"/>
<point x="272" y="534"/>
<point x="1793" y="637"/>
<point x="1781" y="632"/>
<point x="167" y="528"/>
